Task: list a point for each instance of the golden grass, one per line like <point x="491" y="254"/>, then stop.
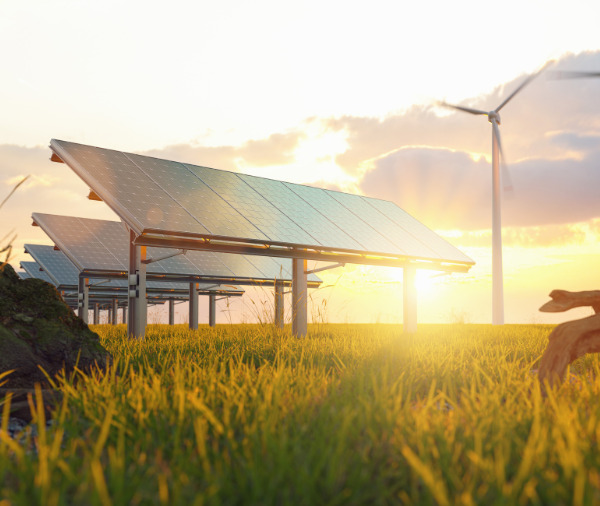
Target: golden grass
<point x="353" y="414"/>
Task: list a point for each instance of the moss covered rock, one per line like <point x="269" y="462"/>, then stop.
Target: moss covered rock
<point x="37" y="329"/>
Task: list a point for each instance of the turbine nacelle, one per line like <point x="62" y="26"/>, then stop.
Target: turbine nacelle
<point x="493" y="116"/>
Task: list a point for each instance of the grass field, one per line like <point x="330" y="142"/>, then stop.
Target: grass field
<point x="353" y="414"/>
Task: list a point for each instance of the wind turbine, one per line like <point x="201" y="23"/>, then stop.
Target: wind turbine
<point x="494" y="118"/>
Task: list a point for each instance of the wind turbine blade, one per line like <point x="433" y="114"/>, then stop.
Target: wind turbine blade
<point x="567" y="74"/>
<point x="506" y="180"/>
<point x="523" y="84"/>
<point x="464" y="109"/>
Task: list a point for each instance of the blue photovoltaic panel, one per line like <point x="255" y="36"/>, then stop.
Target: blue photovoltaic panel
<point x="301" y="212"/>
<point x="131" y="188"/>
<point x="173" y="198"/>
<point x="34" y="270"/>
<point x="207" y="207"/>
<point x="23" y="275"/>
<point x="395" y="233"/>
<point x="60" y="271"/>
<point x="97" y="245"/>
<point x="368" y="237"/>
<point x="55" y="263"/>
<point x="274" y="224"/>
<point x="83" y="246"/>
<point x="442" y="248"/>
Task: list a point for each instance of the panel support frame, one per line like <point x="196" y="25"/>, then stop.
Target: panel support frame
<point x="279" y="306"/>
<point x="299" y="298"/>
<point x="171" y="311"/>
<point x="137" y="305"/>
<point x="115" y="311"/>
<point x="193" y="306"/>
<point x="212" y="310"/>
<point x="83" y="296"/>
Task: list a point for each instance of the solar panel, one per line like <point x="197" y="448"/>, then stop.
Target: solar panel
<point x="55" y="263"/>
<point x="133" y="192"/>
<point x="366" y="236"/>
<point x="24" y="275"/>
<point x="298" y="210"/>
<point x="206" y="206"/>
<point x="404" y="241"/>
<point x="271" y="221"/>
<point x="86" y="251"/>
<point x="183" y="200"/>
<point x="442" y="248"/>
<point x="100" y="245"/>
<point x="34" y="270"/>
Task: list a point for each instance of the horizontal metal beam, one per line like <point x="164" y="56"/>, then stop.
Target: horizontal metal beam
<point x="152" y="260"/>
<point x="300" y="253"/>
<point x="326" y="268"/>
<point x="187" y="278"/>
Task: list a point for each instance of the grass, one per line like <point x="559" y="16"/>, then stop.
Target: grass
<point x="353" y="414"/>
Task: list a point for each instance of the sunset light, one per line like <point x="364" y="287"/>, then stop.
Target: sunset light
<point x="299" y="253"/>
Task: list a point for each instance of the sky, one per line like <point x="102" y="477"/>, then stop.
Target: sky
<point x="341" y="95"/>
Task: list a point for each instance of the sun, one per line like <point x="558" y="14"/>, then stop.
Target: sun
<point x="425" y="282"/>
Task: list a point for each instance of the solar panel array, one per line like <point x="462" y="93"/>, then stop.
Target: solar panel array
<point x="55" y="263"/>
<point x="24" y="275"/>
<point x="103" y="245"/>
<point x="61" y="272"/>
<point x="161" y="196"/>
<point x="33" y="270"/>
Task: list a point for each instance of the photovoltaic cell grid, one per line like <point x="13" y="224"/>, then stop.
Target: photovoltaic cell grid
<point x="55" y="263"/>
<point x="169" y="197"/>
<point x="103" y="245"/>
<point x="33" y="270"/>
<point x="61" y="272"/>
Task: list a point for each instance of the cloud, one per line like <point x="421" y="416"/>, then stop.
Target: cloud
<point x="450" y="190"/>
<point x="530" y="121"/>
<point x="277" y="149"/>
<point x="435" y="164"/>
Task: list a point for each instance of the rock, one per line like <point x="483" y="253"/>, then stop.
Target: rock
<point x="37" y="329"/>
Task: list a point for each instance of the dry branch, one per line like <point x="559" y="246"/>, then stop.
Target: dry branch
<point x="569" y="340"/>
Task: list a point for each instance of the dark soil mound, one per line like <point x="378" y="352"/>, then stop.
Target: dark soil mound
<point x="38" y="329"/>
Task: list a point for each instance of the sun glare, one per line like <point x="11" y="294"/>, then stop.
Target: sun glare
<point x="425" y="282"/>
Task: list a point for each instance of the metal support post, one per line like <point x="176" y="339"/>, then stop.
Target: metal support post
<point x="279" y="305"/>
<point x="299" y="298"/>
<point x="171" y="311"/>
<point x="410" y="300"/>
<point x="115" y="310"/>
<point x="124" y="316"/>
<point x="137" y="306"/>
<point x="212" y="310"/>
<point x="83" y="295"/>
<point x="96" y="313"/>
<point x="193" y="306"/>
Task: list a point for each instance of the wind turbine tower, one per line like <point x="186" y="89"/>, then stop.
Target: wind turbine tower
<point x="497" y="275"/>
